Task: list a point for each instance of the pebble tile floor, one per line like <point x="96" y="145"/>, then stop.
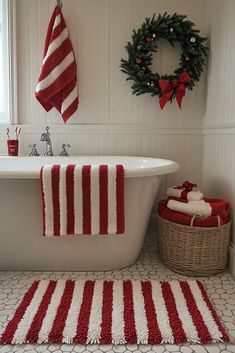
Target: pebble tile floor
<point x="221" y="289"/>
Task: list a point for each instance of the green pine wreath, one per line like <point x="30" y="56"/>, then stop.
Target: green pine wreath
<point x="175" y="29"/>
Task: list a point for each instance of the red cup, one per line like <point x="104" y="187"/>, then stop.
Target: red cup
<point x="13" y="146"/>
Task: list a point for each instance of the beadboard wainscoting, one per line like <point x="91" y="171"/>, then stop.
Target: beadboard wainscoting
<point x="219" y="172"/>
<point x="176" y="144"/>
<point x="219" y="123"/>
<point x="99" y="31"/>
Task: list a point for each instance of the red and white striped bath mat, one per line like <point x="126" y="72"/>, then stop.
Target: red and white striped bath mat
<point x="130" y="311"/>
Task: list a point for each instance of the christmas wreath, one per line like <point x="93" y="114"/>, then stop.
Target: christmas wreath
<point x="174" y="29"/>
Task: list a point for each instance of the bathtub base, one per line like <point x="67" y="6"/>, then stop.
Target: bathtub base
<point x="22" y="246"/>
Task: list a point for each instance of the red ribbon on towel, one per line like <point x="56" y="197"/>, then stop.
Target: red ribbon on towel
<point x="168" y="88"/>
<point x="187" y="186"/>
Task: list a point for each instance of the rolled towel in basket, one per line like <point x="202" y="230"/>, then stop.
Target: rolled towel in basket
<point x="219" y="207"/>
<point x="181" y="218"/>
<point x="187" y="195"/>
<point x="191" y="208"/>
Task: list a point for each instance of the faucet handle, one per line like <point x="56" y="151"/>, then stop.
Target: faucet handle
<point x="64" y="152"/>
<point x="34" y="151"/>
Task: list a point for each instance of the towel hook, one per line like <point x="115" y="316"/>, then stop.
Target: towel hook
<point x="59" y="2"/>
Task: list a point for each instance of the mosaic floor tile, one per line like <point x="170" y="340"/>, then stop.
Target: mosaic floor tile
<point x="221" y="290"/>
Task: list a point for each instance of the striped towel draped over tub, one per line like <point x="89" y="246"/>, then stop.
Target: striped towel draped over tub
<point x="82" y="199"/>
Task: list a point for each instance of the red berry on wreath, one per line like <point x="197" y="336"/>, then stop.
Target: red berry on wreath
<point x="138" y="61"/>
<point x="148" y="39"/>
<point x="187" y="58"/>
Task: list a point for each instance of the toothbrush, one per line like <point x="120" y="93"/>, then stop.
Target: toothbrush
<point x="8" y="133"/>
<point x="17" y="132"/>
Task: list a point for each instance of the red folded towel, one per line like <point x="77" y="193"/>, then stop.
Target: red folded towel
<point x="219" y="207"/>
<point x="181" y="218"/>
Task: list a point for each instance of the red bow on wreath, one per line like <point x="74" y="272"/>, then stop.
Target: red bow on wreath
<point x="168" y="89"/>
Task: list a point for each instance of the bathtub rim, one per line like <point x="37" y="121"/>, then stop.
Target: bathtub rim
<point x="168" y="166"/>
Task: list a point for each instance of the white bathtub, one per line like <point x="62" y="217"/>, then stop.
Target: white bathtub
<point x="22" y="246"/>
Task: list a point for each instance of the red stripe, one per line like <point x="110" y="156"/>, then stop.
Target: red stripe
<point x="55" y="58"/>
<point x="55" y="179"/>
<point x="70" y="110"/>
<point x="32" y="335"/>
<point x="155" y="336"/>
<point x="201" y="327"/>
<point x="57" y="86"/>
<point x="85" y="311"/>
<point x="175" y="322"/>
<point x="68" y="88"/>
<point x="70" y="198"/>
<point x="86" y="200"/>
<point x="58" y="29"/>
<point x="9" y="332"/>
<point x="56" y="334"/>
<point x="120" y="199"/>
<point x="106" y="326"/>
<point x="56" y="11"/>
<point x="43" y="204"/>
<point x="184" y="195"/>
<point x="103" y="181"/>
<point x="53" y="33"/>
<point x="129" y="316"/>
<point x="212" y="310"/>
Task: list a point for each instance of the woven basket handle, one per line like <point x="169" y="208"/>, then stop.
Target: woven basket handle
<point x="195" y="216"/>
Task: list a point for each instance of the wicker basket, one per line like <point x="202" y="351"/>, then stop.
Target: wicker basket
<point x="193" y="251"/>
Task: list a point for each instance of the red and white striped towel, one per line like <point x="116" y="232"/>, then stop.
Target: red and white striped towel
<point x="82" y="199"/>
<point x="57" y="83"/>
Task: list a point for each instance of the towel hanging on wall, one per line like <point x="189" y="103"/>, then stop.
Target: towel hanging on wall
<point x="57" y="83"/>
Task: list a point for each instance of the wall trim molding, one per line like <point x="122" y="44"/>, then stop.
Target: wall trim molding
<point x="13" y="61"/>
<point x="113" y="129"/>
<point x="219" y="129"/>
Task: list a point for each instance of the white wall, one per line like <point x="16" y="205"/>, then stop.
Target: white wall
<point x="219" y="124"/>
<point x="110" y="119"/>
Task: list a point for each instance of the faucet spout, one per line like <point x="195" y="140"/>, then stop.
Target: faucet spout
<point x="46" y="137"/>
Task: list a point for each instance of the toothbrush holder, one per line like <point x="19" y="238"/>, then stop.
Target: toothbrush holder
<point x="13" y="147"/>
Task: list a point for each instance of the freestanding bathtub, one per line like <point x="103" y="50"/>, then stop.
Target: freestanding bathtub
<point x="22" y="246"/>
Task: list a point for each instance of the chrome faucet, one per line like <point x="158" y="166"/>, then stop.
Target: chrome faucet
<point x="34" y="151"/>
<point x="46" y="137"/>
<point x="64" y="152"/>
